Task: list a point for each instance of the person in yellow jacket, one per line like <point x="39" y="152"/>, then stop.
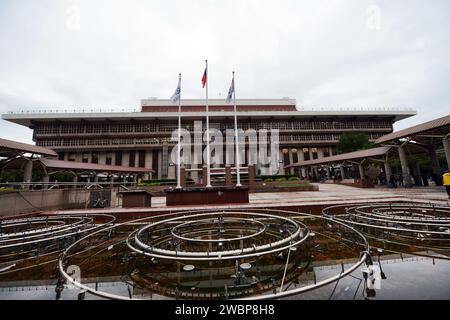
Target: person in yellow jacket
<point x="446" y="182"/>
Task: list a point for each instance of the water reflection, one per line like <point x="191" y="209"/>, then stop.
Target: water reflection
<point x="187" y="259"/>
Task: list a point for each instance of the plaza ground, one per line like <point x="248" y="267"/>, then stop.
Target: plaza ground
<point x="328" y="194"/>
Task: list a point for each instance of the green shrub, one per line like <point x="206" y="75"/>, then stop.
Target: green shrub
<point x="281" y="179"/>
<point x="268" y="180"/>
<point x="294" y="179"/>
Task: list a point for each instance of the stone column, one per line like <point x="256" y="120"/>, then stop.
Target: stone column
<point x="159" y="164"/>
<point x="125" y="158"/>
<point x="418" y="175"/>
<point x="281" y="165"/>
<point x="183" y="176"/>
<point x="434" y="162"/>
<point x="28" y="171"/>
<point x="113" y="157"/>
<point x="301" y="159"/>
<point x="102" y="157"/>
<point x="361" y="171"/>
<point x="291" y="161"/>
<point x="319" y="153"/>
<point x="204" y="175"/>
<point x="136" y="159"/>
<point x="327" y="169"/>
<point x="228" y="176"/>
<point x="251" y="177"/>
<point x="148" y="159"/>
<point x="45" y="181"/>
<point x="95" y="178"/>
<point x="304" y="173"/>
<point x="342" y="172"/>
<point x="387" y="171"/>
<point x="171" y="172"/>
<point x="446" y="144"/>
<point x="194" y="174"/>
<point x="74" y="181"/>
<point x="405" y="169"/>
<point x="111" y="180"/>
<point x="316" y="173"/>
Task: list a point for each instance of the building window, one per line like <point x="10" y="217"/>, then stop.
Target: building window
<point x="326" y="152"/>
<point x="141" y="158"/>
<point x="61" y="155"/>
<point x="118" y="158"/>
<point x="294" y="155"/>
<point x="132" y="159"/>
<point x="333" y="151"/>
<point x="306" y="156"/>
<point x="108" y="159"/>
<point x="85" y="157"/>
<point x="94" y="157"/>
<point x="285" y="157"/>
<point x="155" y="161"/>
<point x="71" y="156"/>
<point x="314" y="153"/>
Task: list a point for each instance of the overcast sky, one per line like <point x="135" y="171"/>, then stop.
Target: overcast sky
<point x="110" y="54"/>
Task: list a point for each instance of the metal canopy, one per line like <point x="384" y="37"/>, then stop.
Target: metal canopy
<point x="356" y="155"/>
<point x="423" y="132"/>
<point x="53" y="164"/>
<point x="9" y="148"/>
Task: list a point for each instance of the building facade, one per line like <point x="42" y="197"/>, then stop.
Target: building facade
<point x="143" y="138"/>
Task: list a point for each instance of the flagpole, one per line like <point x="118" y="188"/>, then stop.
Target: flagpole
<point x="208" y="169"/>
<point x="179" y="139"/>
<point x="236" y="137"/>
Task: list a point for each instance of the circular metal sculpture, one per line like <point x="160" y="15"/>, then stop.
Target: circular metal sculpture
<point x="43" y="236"/>
<point x="211" y="254"/>
<point x="419" y="225"/>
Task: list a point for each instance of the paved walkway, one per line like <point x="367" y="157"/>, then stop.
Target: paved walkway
<point x="331" y="193"/>
<point x="328" y="194"/>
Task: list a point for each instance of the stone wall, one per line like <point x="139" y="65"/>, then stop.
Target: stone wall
<point x="18" y="202"/>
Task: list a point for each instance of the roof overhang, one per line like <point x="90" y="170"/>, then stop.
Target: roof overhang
<point x="421" y="133"/>
<point x="350" y="156"/>
<point x="26" y="119"/>
<point x="73" y="166"/>
<point x="9" y="148"/>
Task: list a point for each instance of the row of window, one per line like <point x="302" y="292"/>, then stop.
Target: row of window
<point x="169" y="127"/>
<point x="167" y="140"/>
<point x="94" y="157"/>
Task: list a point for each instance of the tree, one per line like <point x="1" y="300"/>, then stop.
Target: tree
<point x="349" y="142"/>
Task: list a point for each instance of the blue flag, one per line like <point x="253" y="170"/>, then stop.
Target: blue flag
<point x="230" y="92"/>
<point x="177" y="94"/>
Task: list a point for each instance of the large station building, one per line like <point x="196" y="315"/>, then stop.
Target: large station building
<point x="143" y="138"/>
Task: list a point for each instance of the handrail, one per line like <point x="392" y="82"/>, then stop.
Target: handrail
<point x="63" y="110"/>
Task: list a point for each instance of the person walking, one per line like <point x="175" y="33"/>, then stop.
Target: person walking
<point x="400" y="180"/>
<point x="392" y="182"/>
<point x="446" y="183"/>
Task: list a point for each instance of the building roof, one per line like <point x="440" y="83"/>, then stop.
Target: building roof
<point x="433" y="125"/>
<point x="11" y="148"/>
<point x="356" y="155"/>
<point x="77" y="166"/>
<point x="198" y="105"/>
<point x="220" y="102"/>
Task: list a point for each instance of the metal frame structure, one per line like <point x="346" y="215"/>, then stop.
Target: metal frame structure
<point x="292" y="242"/>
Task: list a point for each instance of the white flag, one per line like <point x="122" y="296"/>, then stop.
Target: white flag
<point x="177" y="94"/>
<point x="230" y="92"/>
